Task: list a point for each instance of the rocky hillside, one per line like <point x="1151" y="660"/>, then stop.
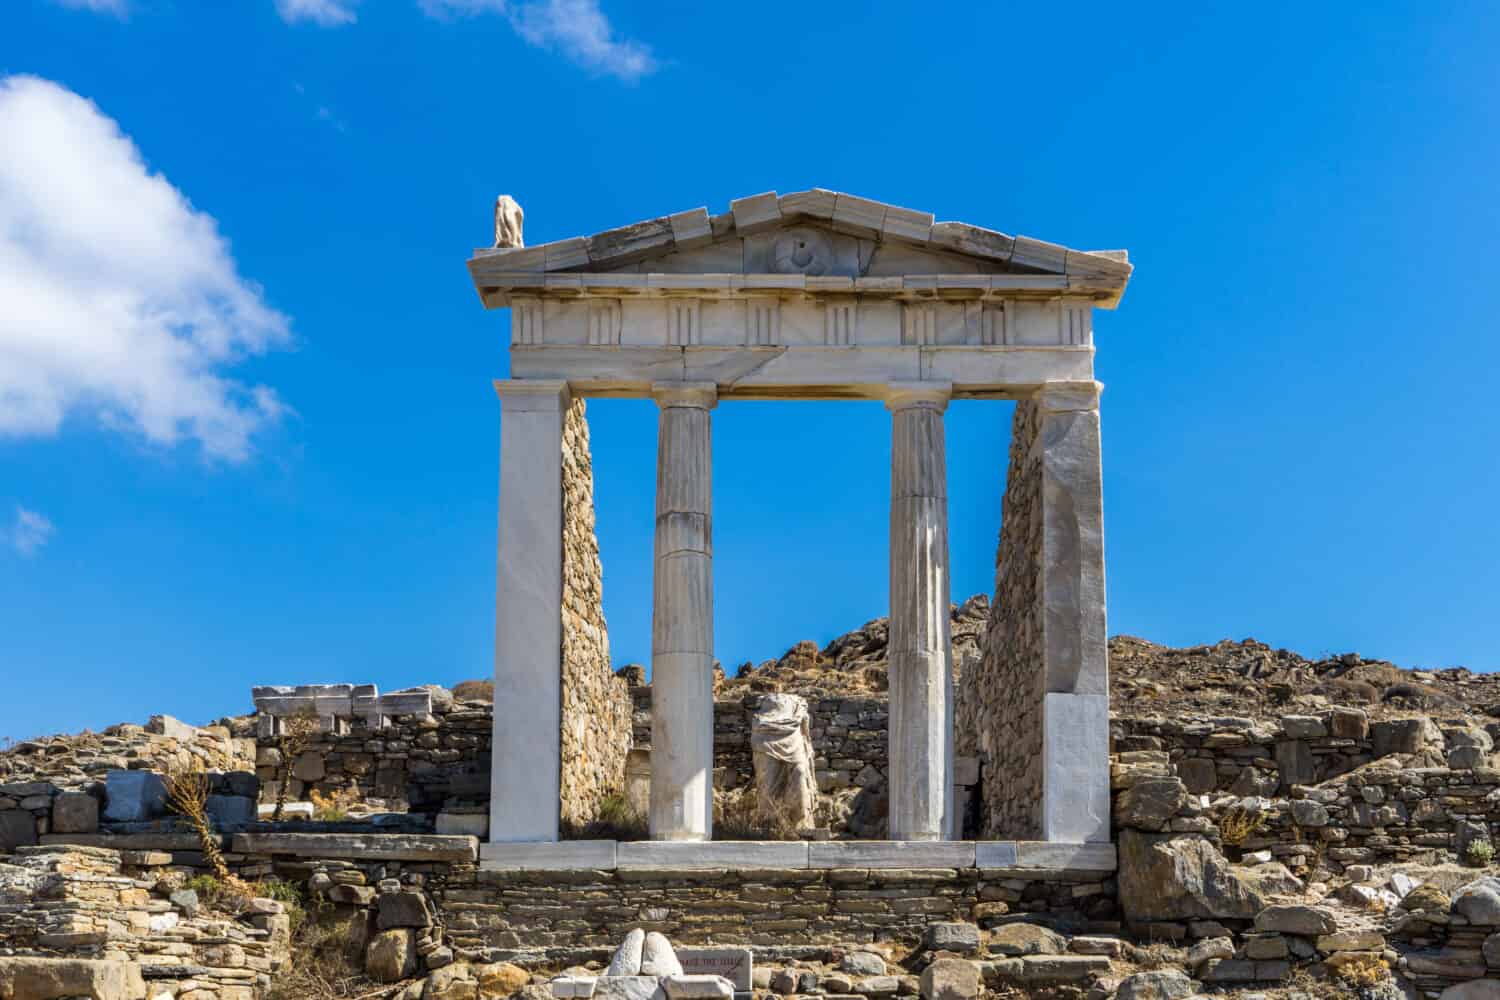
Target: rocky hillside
<point x="1244" y="678"/>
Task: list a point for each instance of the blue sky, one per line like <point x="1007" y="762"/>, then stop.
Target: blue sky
<point x="247" y="433"/>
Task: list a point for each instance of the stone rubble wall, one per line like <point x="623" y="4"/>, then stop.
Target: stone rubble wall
<point x="999" y="701"/>
<point x="428" y="763"/>
<point x="1332" y="786"/>
<point x="596" y="705"/>
<point x="565" y="912"/>
<point x="87" y="903"/>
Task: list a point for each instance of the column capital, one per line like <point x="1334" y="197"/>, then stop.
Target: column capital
<point x="907" y="395"/>
<point x="1065" y="397"/>
<point x="697" y="395"/>
<point x="537" y="395"/>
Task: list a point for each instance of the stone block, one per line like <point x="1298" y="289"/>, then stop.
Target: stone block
<point x="966" y="770"/>
<point x="1075" y="782"/>
<point x="1404" y="735"/>
<point x="994" y="854"/>
<point x="403" y="909"/>
<point x="1295" y="918"/>
<point x="166" y="725"/>
<point x="564" y="855"/>
<point x="667" y="854"/>
<point x="570" y="987"/>
<point x="891" y="854"/>
<point x="697" y="987"/>
<point x="1072" y="857"/>
<point x="17" y="829"/>
<point x="1303" y="727"/>
<point x="28" y="978"/>
<point x="1163" y="984"/>
<point x="734" y="964"/>
<point x="1062" y="968"/>
<point x="1348" y="723"/>
<point x="464" y="824"/>
<point x="1018" y="939"/>
<point x="628" y="988"/>
<point x="951" y="979"/>
<point x="231" y="811"/>
<point x="310" y="766"/>
<point x="134" y="796"/>
<point x="958" y="937"/>
<point x="75" y="812"/>
<point x="1199" y="775"/>
<point x="360" y="846"/>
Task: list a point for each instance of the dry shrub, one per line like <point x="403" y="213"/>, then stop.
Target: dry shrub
<point x="297" y="731"/>
<point x="336" y="804"/>
<point x="738" y="815"/>
<point x="474" y="691"/>
<point x="187" y="792"/>
<point x="325" y="964"/>
<point x="1239" y="824"/>
<point x="1362" y="970"/>
<point x="616" y="819"/>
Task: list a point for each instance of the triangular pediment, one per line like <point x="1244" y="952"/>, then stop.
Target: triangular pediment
<point x="816" y="234"/>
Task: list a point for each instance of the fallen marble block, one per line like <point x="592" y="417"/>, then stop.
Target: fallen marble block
<point x="688" y="987"/>
<point x="628" y="988"/>
<point x="565" y="987"/>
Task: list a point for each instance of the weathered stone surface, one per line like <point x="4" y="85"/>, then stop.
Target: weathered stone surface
<point x="734" y="964"/>
<point x="1306" y="812"/>
<point x="1026" y="939"/>
<point x="628" y="988"/>
<point x="863" y="963"/>
<point x="132" y="796"/>
<point x="1165" y="877"/>
<point x="1150" y="803"/>
<point x="166" y="725"/>
<point x="17" y="829"/>
<point x="579" y="987"/>
<point x="391" y="955"/>
<point x="27" y="978"/>
<point x="75" y="812"/>
<point x="1405" y="735"/>
<point x="1491" y="950"/>
<point x="462" y="824"/>
<point x="1479" y="901"/>
<point x="960" y="938"/>
<point x="403" y="909"/>
<point x="627" y="957"/>
<point x="1162" y="984"/>
<point x="951" y="979"/>
<point x="686" y="987"/>
<point x="1360" y="940"/>
<point x="231" y="811"/>
<point x="1307" y="921"/>
<point x="362" y="846"/>
<point x="500" y="979"/>
<point x="658" y="958"/>
<point x="1478" y="989"/>
<point x="1062" y="968"/>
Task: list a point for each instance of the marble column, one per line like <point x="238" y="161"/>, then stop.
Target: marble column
<point x="920" y="657"/>
<point x="526" y="765"/>
<point x="682" y="624"/>
<point x="1075" y="784"/>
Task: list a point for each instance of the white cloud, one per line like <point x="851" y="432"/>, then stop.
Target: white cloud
<point x="122" y="302"/>
<point x="577" y="28"/>
<point x="30" y="531"/>
<point x="325" y="12"/>
<point x="115" y="7"/>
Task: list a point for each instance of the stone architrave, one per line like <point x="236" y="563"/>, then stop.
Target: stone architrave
<point x="682" y="623"/>
<point x="920" y="657"/>
<point x="526" y="773"/>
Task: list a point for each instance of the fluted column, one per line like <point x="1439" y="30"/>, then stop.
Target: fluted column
<point x="682" y="625"/>
<point x="921" y="676"/>
<point x="527" y="767"/>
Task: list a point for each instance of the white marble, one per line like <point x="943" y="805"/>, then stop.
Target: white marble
<point x="1075" y="763"/>
<point x="1070" y="857"/>
<point x="526" y="764"/>
<point x="891" y="854"/>
<point x="682" y="616"/>
<point x="920" y="657"/>
<point x="994" y="854"/>
<point x="626" y="960"/>
<point x="713" y="854"/>
<point x="561" y="855"/>
<point x="732" y="963"/>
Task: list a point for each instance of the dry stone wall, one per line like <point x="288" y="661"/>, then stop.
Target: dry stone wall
<point x="596" y="707"/>
<point x="998" y="716"/>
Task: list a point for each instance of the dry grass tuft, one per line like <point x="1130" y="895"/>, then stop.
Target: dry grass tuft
<point x="1239" y="824"/>
<point x="474" y="691"/>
